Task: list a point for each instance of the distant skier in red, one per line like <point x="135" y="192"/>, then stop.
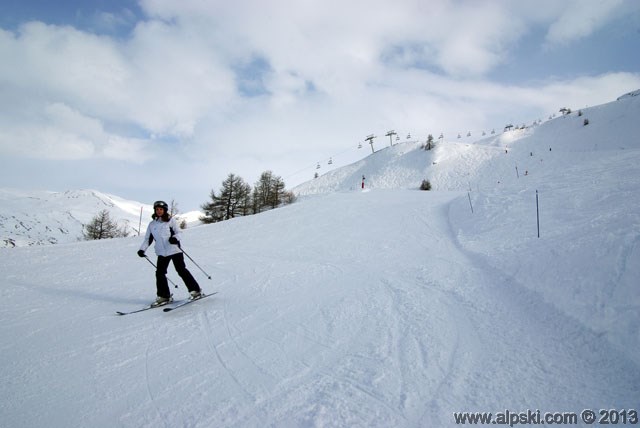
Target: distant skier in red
<point x="164" y="230"/>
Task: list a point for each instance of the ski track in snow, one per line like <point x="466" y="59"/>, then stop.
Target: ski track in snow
<point x="148" y="378"/>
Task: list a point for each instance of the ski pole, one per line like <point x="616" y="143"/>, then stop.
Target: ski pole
<point x="168" y="279"/>
<point x="194" y="262"/>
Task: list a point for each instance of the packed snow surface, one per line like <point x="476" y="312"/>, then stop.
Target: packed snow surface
<point x="388" y="307"/>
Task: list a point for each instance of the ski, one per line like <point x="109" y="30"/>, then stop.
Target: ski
<point x="146" y="308"/>
<point x="181" y="304"/>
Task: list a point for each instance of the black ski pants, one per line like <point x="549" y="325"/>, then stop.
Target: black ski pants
<point x="161" y="274"/>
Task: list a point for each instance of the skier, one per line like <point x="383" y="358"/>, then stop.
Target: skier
<point x="164" y="230"/>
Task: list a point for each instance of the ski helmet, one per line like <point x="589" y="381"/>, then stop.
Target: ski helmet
<point x="161" y="204"/>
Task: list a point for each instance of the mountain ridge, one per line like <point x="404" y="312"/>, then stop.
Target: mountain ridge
<point x="47" y="217"/>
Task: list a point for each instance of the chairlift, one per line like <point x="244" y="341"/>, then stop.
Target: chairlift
<point x="359" y="145"/>
<point x="397" y="138"/>
<point x="330" y="161"/>
<point x="441" y="136"/>
<point x="318" y="166"/>
<point x="459" y="136"/>
<point x="408" y="136"/>
<point x="469" y="134"/>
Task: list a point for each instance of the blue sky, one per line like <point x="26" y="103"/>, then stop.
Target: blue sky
<point x="158" y="99"/>
<point x="113" y="17"/>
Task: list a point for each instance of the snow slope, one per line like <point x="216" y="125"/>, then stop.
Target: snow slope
<point x="457" y="164"/>
<point x="587" y="178"/>
<point x="388" y="307"/>
<point x="45" y="217"/>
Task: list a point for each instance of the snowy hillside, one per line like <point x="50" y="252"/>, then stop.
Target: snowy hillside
<point x="390" y="307"/>
<point x="455" y="164"/>
<point x="43" y="217"/>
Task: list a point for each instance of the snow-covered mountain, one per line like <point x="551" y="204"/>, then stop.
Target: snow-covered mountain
<point x="45" y="217"/>
<point x="457" y="164"/>
<point x="388" y="307"/>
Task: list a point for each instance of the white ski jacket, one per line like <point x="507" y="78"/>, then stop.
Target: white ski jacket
<point x="161" y="231"/>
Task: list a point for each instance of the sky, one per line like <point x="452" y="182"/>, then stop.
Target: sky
<point x="157" y="99"/>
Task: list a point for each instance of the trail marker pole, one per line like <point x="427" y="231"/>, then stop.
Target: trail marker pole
<point x="537" y="213"/>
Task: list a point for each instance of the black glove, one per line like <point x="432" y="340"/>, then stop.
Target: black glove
<point x="173" y="240"/>
<point x="141" y="253"/>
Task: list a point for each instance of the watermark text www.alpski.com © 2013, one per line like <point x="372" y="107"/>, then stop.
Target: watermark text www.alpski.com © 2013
<point x="537" y="417"/>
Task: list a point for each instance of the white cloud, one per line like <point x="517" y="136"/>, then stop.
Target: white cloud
<point x="62" y="133"/>
<point x="315" y="78"/>
<point x="581" y="18"/>
<point x="112" y="22"/>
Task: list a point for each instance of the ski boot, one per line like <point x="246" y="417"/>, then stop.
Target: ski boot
<point x="161" y="301"/>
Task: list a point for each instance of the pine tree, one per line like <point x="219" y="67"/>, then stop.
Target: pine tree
<point x="236" y="198"/>
<point x="262" y="192"/>
<point x="212" y="211"/>
<point x="103" y="227"/>
<point x="268" y="192"/>
<point x="233" y="200"/>
<point x="277" y="192"/>
<point x="246" y="201"/>
<point x="430" y="145"/>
